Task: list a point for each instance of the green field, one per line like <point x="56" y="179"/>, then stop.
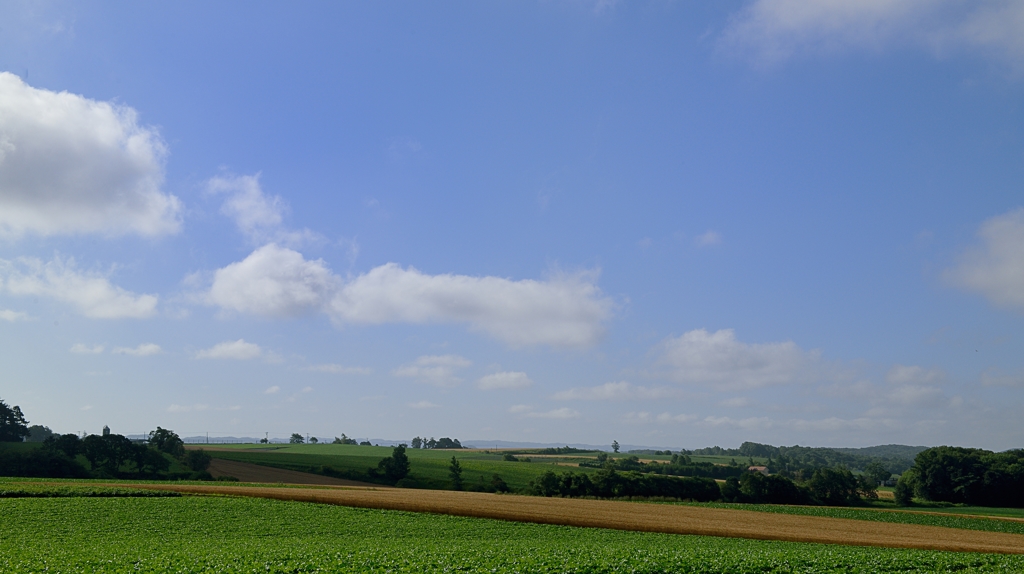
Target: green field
<point x="223" y="534"/>
<point x="429" y="468"/>
<point x="927" y="517"/>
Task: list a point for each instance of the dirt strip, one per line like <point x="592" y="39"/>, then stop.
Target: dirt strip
<point x="637" y="516"/>
<point x="247" y="472"/>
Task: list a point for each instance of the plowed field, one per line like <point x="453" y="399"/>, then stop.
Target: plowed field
<point x="638" y="517"/>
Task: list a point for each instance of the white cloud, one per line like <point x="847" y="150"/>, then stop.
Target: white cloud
<point x="187" y="408"/>
<point x="996" y="268"/>
<point x="434" y="369"/>
<point x="770" y="31"/>
<point x="82" y="349"/>
<point x="339" y="369"/>
<point x="504" y="380"/>
<point x="92" y="294"/>
<point x="423" y="405"/>
<point x="272" y="390"/>
<point x="752" y="423"/>
<point x="994" y="377"/>
<point x="239" y="350"/>
<point x="645" y="417"/>
<point x="517" y="409"/>
<point x="917" y="396"/>
<point x="708" y="239"/>
<point x="564" y="311"/>
<point x="258" y="216"/>
<point x="12" y="316"/>
<point x="273" y="281"/>
<point x="614" y="392"/>
<point x="71" y="165"/>
<point x="718" y="359"/>
<point x="562" y="413"/>
<point x="736" y="402"/>
<point x="904" y="374"/>
<point x="143" y="350"/>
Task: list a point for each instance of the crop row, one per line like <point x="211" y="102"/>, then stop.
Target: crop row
<point x="206" y="534"/>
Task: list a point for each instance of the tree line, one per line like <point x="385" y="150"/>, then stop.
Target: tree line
<point x="965" y="475"/>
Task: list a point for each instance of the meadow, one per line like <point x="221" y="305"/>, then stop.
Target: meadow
<point x="429" y="467"/>
<point x="225" y="534"/>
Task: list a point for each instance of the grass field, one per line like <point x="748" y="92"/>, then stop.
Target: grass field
<point x="429" y="468"/>
<point x="928" y="517"/>
<point x="219" y="534"/>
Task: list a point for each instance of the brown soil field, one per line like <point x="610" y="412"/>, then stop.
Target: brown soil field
<point x="247" y="472"/>
<point x="636" y="516"/>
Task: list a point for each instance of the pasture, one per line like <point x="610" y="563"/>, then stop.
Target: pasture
<point x="226" y="534"/>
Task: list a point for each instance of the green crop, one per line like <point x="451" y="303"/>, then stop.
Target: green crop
<point x="222" y="534"/>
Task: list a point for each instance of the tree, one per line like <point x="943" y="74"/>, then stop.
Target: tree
<point x="313" y="440"/>
<point x="904" y="491"/>
<point x="94" y="448"/>
<point x="615" y="446"/>
<point x="455" y="473"/>
<point x="38" y="433"/>
<point x="296" y="438"/>
<point x="877" y="472"/>
<point x="834" y="486"/>
<point x="13" y="426"/>
<point x="417" y="442"/>
<point x="197" y="460"/>
<point x="498" y="485"/>
<point x="167" y="441"/>
<point x="69" y="444"/>
<point x="394" y="467"/>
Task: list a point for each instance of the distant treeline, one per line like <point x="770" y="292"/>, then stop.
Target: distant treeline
<point x="443" y="442"/>
<point x="826" y="486"/>
<point x="895" y="458"/>
<point x="680" y="465"/>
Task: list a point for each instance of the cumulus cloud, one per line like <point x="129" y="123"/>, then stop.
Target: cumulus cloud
<point x="904" y="374"/>
<point x="718" y="359"/>
<point x="770" y="31"/>
<point x="259" y="216"/>
<point x="567" y="310"/>
<point x="238" y="350"/>
<point x="504" y="380"/>
<point x="518" y="409"/>
<point x="272" y="390"/>
<point x="339" y="369"/>
<point x="663" y="418"/>
<point x="917" y="396"/>
<point x="562" y="413"/>
<point x="423" y="405"/>
<point x="91" y="294"/>
<point x="82" y="349"/>
<point x="273" y="281"/>
<point x="995" y="269"/>
<point x="143" y="350"/>
<point x="71" y="165"/>
<point x="12" y="316"/>
<point x="614" y="392"/>
<point x="435" y="369"/>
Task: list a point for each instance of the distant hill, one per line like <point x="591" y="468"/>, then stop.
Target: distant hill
<point x="885" y="451"/>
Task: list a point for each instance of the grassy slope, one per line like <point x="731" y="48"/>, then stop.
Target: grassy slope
<point x="201" y="534"/>
<point x="428" y="467"/>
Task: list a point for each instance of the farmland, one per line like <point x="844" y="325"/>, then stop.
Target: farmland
<point x="218" y="534"/>
<point x="429" y="467"/>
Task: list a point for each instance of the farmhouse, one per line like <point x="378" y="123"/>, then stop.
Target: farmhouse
<point x="762" y="469"/>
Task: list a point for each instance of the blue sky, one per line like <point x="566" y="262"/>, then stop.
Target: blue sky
<point x="676" y="224"/>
